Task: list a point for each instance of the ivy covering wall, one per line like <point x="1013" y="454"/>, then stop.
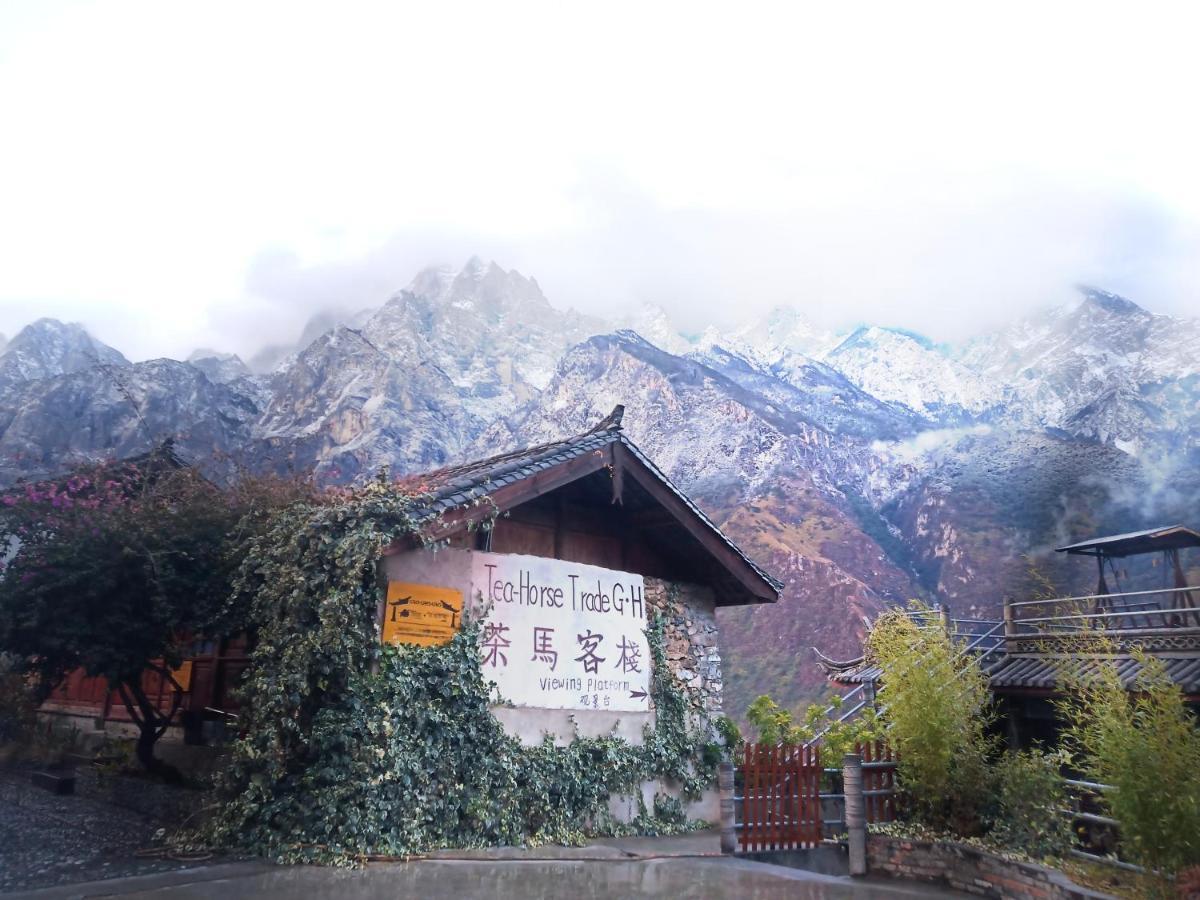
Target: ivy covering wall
<point x="351" y="748"/>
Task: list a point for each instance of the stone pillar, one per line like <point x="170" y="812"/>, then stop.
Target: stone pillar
<point x="728" y="823"/>
<point x="856" y="812"/>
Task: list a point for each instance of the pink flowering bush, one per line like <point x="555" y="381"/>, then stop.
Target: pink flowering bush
<point x="114" y="569"/>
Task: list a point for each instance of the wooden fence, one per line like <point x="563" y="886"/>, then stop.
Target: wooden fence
<point x="781" y="797"/>
<point x="879" y="781"/>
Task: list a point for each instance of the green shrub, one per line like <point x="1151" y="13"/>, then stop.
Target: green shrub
<point x="1029" y="795"/>
<point x="1146" y="745"/>
<point x="775" y="725"/>
<point x="18" y="709"/>
<point x="772" y="722"/>
<point x="935" y="709"/>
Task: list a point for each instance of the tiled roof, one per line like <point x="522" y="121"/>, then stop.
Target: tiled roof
<point x="1046" y="672"/>
<point x="458" y="486"/>
<point x="856" y="674"/>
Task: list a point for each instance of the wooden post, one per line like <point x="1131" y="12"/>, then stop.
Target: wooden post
<point x="856" y="814"/>
<point x="1009" y="625"/>
<point x="728" y="823"/>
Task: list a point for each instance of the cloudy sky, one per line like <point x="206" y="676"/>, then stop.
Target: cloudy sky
<point x="183" y="174"/>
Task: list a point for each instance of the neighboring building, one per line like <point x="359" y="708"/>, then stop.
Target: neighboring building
<point x="1043" y="645"/>
<point x="567" y="547"/>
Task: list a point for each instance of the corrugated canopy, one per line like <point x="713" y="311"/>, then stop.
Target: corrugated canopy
<point x="1152" y="540"/>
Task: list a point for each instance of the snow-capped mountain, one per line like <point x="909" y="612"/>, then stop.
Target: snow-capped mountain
<point x="220" y="368"/>
<point x="48" y="347"/>
<point x="1095" y="367"/>
<point x="864" y="469"/>
<point x="653" y="323"/>
<point x="781" y="331"/>
<point x="51" y="423"/>
<point x="901" y="367"/>
<point x="422" y="376"/>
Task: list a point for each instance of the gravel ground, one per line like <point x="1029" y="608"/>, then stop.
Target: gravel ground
<point x="49" y="840"/>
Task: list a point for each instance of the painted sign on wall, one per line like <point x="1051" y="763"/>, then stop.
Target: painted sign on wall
<point x="563" y="635"/>
<point x="422" y="614"/>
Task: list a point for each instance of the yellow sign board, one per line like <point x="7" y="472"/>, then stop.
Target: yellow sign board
<point x="183" y="675"/>
<point x="421" y="614"/>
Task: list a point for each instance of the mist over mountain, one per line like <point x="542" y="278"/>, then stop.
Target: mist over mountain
<point x="863" y="468"/>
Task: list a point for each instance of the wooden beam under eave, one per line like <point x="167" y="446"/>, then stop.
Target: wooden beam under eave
<point x="618" y="474"/>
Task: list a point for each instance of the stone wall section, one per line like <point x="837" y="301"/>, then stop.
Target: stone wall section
<point x="971" y="870"/>
<point x="690" y="630"/>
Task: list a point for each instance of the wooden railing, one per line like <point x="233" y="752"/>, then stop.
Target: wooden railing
<point x="1162" y="609"/>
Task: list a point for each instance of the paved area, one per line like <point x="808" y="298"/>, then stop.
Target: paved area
<point x="62" y="848"/>
<point x="677" y="878"/>
<point x="46" y="839"/>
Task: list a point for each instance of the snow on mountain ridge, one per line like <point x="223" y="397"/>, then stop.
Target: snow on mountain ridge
<point x="901" y="367"/>
<point x="47" y="347"/>
<point x="1087" y="365"/>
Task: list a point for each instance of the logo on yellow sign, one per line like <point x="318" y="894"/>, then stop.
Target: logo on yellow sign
<point x="422" y="614"/>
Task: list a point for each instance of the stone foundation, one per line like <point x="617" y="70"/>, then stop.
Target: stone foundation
<point x="970" y="869"/>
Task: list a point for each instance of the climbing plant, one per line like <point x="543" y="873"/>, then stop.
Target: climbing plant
<point x="353" y="748"/>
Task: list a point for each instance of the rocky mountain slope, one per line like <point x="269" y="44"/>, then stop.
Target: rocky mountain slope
<point x="863" y="469"/>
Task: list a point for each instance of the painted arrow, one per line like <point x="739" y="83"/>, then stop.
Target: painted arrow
<point x="638" y="695"/>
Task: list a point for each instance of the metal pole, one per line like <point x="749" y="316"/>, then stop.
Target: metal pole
<point x="728" y="825"/>
<point x="856" y="812"/>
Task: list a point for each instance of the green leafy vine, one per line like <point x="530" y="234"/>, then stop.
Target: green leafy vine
<point x="350" y="748"/>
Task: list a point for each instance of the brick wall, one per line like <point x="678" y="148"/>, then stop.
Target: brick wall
<point x="969" y="869"/>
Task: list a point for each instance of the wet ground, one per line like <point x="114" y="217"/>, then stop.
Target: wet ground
<point x="46" y="839"/>
<point x="676" y="878"/>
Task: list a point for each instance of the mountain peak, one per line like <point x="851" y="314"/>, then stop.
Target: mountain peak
<point x="49" y="347"/>
<point x="221" y="368"/>
<point x="781" y="330"/>
<point x="475" y="266"/>
<point x="881" y="334"/>
<point x="1108" y="301"/>
<point x="654" y="324"/>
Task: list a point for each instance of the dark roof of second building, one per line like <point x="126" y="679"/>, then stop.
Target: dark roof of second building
<point x="1167" y="537"/>
<point x="1048" y="672"/>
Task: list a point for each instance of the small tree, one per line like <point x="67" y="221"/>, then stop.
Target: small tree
<point x="113" y="570"/>
<point x="775" y="725"/>
<point x="935" y="709"/>
<point x="1144" y="742"/>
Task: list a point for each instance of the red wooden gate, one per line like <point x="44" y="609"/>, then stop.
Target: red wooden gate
<point x="781" y="797"/>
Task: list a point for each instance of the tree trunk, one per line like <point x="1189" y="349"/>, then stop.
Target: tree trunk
<point x="147" y="738"/>
<point x="151" y="725"/>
